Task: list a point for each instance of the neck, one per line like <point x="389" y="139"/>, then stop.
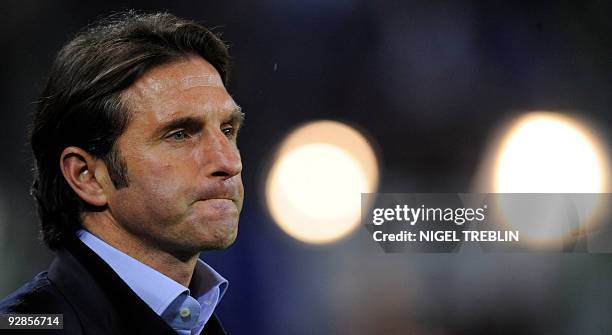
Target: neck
<point x="176" y="267"/>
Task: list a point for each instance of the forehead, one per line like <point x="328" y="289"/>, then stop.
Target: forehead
<point x="176" y="77"/>
<point x="188" y="87"/>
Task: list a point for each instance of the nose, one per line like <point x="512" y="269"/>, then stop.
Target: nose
<point x="222" y="156"/>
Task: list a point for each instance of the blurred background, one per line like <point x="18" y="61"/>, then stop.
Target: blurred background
<point x="429" y="85"/>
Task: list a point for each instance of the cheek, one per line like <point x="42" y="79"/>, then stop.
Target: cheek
<point x="162" y="182"/>
<point x="159" y="185"/>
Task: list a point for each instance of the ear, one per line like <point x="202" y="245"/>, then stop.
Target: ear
<point x="79" y="170"/>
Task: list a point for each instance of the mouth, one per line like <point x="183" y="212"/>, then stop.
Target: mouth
<point x="221" y="196"/>
<point x="219" y="203"/>
<point x="220" y="199"/>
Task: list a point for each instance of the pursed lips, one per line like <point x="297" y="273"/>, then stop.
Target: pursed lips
<point x="226" y="195"/>
<point x="213" y="198"/>
<point x="224" y="205"/>
<point x="226" y="191"/>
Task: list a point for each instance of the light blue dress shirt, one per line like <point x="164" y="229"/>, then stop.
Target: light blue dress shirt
<point x="172" y="301"/>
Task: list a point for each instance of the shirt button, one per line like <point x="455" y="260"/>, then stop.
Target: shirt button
<point x="185" y="312"/>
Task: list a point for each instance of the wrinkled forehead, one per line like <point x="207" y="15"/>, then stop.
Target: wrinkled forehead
<point x="176" y="77"/>
<point x="157" y="84"/>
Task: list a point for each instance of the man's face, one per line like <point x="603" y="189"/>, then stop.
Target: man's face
<point x="185" y="189"/>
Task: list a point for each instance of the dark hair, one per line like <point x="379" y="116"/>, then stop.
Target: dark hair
<point x="81" y="104"/>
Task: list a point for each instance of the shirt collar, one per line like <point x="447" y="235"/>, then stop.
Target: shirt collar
<point x="158" y="290"/>
<point x="205" y="278"/>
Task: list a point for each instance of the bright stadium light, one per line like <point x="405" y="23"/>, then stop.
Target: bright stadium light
<point x="313" y="190"/>
<point x="547" y="152"/>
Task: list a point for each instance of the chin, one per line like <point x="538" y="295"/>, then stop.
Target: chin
<point x="226" y="243"/>
<point x="220" y="240"/>
<point x="217" y="245"/>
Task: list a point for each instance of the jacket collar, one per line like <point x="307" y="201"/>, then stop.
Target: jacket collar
<point x="110" y="306"/>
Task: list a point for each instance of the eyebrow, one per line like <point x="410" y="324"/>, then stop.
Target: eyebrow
<point x="192" y="123"/>
<point x="237" y="116"/>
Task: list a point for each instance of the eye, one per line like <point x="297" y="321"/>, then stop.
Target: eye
<point x="178" y="135"/>
<point x="229" y="131"/>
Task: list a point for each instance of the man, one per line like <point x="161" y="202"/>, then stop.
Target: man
<point x="137" y="172"/>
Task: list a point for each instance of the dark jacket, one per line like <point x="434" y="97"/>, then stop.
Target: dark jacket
<point x="91" y="296"/>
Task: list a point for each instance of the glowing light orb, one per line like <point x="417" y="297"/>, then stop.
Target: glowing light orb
<point x="313" y="190"/>
<point x="549" y="153"/>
